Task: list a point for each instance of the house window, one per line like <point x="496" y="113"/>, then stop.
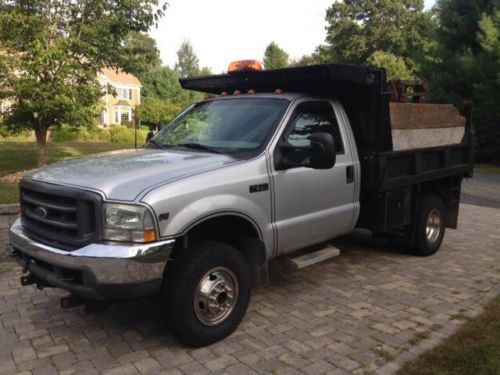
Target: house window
<point x="123" y="93"/>
<point x="122" y="114"/>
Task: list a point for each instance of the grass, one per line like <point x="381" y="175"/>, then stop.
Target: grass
<point x="20" y="154"/>
<point x="383" y="354"/>
<point x="17" y="155"/>
<point x="473" y="349"/>
<point x="9" y="192"/>
<point x="487" y="168"/>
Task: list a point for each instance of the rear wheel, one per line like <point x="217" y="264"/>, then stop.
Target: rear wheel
<point x="206" y="293"/>
<point x="430" y="225"/>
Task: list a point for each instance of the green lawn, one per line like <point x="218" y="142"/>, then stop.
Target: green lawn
<point x="487" y="168"/>
<point x="17" y="155"/>
<point x="9" y="192"/>
<point x="473" y="349"/>
<point x="20" y="155"/>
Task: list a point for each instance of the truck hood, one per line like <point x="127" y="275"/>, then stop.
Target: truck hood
<point x="125" y="174"/>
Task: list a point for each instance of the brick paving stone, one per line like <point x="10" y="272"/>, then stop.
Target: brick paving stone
<point x="52" y="350"/>
<point x="147" y="366"/>
<point x="220" y="363"/>
<point x="318" y="367"/>
<point x="127" y="369"/>
<point x="21" y="355"/>
<point x="331" y="317"/>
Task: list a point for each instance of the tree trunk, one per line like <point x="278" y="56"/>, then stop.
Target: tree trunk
<point x="41" y="143"/>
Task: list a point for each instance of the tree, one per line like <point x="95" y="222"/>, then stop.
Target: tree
<point x="275" y="57"/>
<point x="359" y="28"/>
<point x="466" y="64"/>
<point x="157" y="112"/>
<point x="51" y="53"/>
<point x="163" y="83"/>
<point x="395" y="66"/>
<point x="487" y="84"/>
<point x="140" y="54"/>
<point x="187" y="64"/>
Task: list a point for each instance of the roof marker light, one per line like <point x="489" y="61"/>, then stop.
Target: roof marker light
<point x="278" y="91"/>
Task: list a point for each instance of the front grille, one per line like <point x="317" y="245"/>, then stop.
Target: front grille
<point x="62" y="217"/>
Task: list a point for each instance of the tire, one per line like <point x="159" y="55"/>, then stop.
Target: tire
<point x="194" y="318"/>
<point x="430" y="225"/>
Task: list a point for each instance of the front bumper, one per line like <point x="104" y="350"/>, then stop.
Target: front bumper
<point x="96" y="271"/>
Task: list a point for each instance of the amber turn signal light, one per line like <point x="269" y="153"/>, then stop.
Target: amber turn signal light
<point x="245" y="66"/>
<point x="149" y="235"/>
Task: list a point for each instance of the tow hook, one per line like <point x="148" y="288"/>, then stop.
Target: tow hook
<point x="28" y="280"/>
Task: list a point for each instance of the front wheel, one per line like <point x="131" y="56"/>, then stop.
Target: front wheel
<point x="430" y="225"/>
<point x="206" y="293"/>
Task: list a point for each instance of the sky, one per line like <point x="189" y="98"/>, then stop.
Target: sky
<point x="222" y="31"/>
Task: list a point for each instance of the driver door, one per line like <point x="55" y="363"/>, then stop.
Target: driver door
<point x="312" y="205"/>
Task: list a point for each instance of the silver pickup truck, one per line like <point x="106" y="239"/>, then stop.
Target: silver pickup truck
<point x="277" y="162"/>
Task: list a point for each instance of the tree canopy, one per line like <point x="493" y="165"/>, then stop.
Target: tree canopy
<point x="466" y="63"/>
<point x="275" y="57"/>
<point x="187" y="64"/>
<point x="140" y="54"/>
<point x="52" y="51"/>
<point x="157" y="112"/>
<point x="359" y="28"/>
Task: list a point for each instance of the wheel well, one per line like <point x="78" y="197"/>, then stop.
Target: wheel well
<point x="236" y="231"/>
<point x="228" y="228"/>
<point x="448" y="189"/>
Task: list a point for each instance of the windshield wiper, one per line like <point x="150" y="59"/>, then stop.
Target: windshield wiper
<point x="159" y="145"/>
<point x="198" y="146"/>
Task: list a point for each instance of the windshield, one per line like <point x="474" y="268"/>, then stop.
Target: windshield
<point x="240" y="125"/>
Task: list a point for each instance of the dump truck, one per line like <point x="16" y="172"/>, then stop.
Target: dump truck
<point x="272" y="163"/>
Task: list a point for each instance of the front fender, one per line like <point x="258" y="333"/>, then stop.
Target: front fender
<point x="219" y="205"/>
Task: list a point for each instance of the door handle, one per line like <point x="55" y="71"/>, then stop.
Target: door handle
<point x="349" y="174"/>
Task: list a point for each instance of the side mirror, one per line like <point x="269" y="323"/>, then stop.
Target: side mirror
<point x="323" y="154"/>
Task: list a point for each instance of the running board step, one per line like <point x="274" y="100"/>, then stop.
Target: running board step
<point x="312" y="255"/>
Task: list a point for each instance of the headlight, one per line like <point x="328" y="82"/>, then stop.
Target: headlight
<point x="123" y="222"/>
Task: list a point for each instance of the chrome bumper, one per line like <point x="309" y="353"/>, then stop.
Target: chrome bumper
<point x="108" y="263"/>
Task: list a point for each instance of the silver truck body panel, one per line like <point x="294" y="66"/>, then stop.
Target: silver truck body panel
<point x="314" y="205"/>
<point x="301" y="207"/>
<point x="123" y="175"/>
<point x="221" y="191"/>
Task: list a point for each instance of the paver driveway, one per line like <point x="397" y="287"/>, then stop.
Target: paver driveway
<point x="370" y="309"/>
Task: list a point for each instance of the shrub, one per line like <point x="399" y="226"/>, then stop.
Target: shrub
<point x="94" y="134"/>
<point x="123" y="135"/>
<point x="64" y="133"/>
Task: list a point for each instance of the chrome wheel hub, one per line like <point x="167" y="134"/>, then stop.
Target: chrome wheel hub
<point x="216" y="296"/>
<point x="433" y="226"/>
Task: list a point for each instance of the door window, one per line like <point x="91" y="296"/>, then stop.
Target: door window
<point x="314" y="117"/>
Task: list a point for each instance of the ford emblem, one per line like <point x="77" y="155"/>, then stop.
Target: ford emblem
<point x="40" y="211"/>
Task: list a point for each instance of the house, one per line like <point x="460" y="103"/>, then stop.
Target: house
<point x="121" y="101"/>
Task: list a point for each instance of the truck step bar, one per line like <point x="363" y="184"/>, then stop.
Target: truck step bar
<point x="312" y="255"/>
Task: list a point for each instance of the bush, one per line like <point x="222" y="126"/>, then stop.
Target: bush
<point x="123" y="135"/>
<point x="64" y="133"/>
<point x="116" y="133"/>
<point x="6" y="132"/>
<point x="94" y="134"/>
